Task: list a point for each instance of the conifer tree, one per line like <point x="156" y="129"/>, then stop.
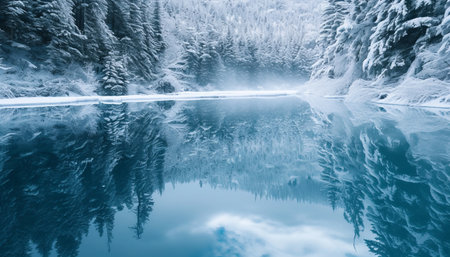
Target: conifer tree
<point x="160" y="46"/>
<point x="15" y="17"/>
<point x="141" y="59"/>
<point x="55" y="24"/>
<point x="334" y="16"/>
<point x="99" y="38"/>
<point x="227" y="51"/>
<point x="79" y="13"/>
<point x="208" y="62"/>
<point x="400" y="24"/>
<point x="114" y="80"/>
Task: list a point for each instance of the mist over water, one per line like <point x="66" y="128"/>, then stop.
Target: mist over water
<point x="246" y="177"/>
<point x="233" y="81"/>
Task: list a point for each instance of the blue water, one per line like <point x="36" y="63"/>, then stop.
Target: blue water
<point x="248" y="177"/>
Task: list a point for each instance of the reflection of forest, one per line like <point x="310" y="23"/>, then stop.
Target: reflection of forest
<point x="63" y="169"/>
<point x="57" y="178"/>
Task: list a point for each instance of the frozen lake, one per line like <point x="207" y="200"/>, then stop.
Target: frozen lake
<point x="250" y="177"/>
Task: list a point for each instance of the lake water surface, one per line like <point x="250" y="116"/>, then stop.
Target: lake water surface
<point x="244" y="177"/>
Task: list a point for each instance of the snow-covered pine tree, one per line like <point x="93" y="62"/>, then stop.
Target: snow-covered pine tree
<point x="190" y="61"/>
<point x="227" y="51"/>
<point x="333" y="17"/>
<point x="252" y="63"/>
<point x="156" y="25"/>
<point x="433" y="50"/>
<point x="142" y="61"/>
<point x="399" y="25"/>
<point x="15" y="19"/>
<point x="208" y="62"/>
<point x="99" y="38"/>
<point x="356" y="35"/>
<point x="79" y="13"/>
<point x="117" y="18"/>
<point x="155" y="44"/>
<point x="55" y="24"/>
<point x="300" y="63"/>
<point x="114" y="80"/>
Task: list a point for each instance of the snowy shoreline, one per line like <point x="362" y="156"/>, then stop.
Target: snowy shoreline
<point x="23" y="102"/>
<point x="29" y="102"/>
<point x="412" y="92"/>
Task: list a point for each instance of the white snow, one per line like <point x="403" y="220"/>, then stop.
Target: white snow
<point x="420" y="21"/>
<point x="182" y="96"/>
<point x="410" y="92"/>
<point x="428" y="93"/>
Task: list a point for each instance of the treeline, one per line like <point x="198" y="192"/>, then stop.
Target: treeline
<point x="385" y="39"/>
<point x="243" y="41"/>
<point x="121" y="39"/>
<point x="212" y="58"/>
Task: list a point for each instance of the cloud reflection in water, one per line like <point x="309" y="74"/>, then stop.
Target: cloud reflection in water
<point x="255" y="236"/>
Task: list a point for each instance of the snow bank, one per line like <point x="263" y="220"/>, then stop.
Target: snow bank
<point x="411" y="91"/>
<point x="28" y="82"/>
<point x="429" y="92"/>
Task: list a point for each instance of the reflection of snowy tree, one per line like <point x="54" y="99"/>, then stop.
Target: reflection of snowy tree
<point x="371" y="168"/>
<point x="339" y="158"/>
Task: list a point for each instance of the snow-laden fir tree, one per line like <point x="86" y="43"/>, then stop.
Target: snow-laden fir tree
<point x="156" y="25"/>
<point x="434" y="50"/>
<point x="55" y="24"/>
<point x="13" y="15"/>
<point x="208" y="63"/>
<point x="334" y="17"/>
<point x="99" y="38"/>
<point x="398" y="26"/>
<point x="115" y="75"/>
<point x="227" y="51"/>
<point x="383" y="39"/>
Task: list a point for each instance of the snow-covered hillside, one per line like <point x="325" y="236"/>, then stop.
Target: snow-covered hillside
<point x="385" y="51"/>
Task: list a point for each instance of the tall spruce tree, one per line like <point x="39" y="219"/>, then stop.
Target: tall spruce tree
<point x="99" y="38"/>
<point x="16" y="19"/>
<point x="334" y="16"/>
<point x="55" y="24"/>
<point x="115" y="75"/>
<point x="156" y="25"/>
<point x="398" y="27"/>
<point x="141" y="59"/>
